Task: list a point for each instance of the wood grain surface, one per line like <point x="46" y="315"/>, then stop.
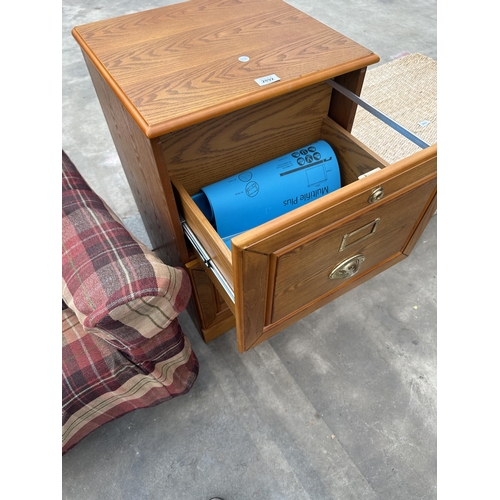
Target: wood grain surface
<point x="218" y="148"/>
<point x="178" y="65"/>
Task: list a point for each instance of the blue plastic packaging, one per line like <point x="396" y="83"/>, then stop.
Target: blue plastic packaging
<point x="252" y="197"/>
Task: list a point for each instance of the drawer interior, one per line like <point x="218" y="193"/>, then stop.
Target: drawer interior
<point x="211" y="151"/>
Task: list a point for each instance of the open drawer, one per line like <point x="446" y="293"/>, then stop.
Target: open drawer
<point x="282" y="270"/>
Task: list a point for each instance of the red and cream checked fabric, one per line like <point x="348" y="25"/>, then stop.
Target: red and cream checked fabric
<point x="123" y="347"/>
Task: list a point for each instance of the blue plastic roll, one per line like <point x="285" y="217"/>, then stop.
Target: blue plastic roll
<point x="252" y="197"/>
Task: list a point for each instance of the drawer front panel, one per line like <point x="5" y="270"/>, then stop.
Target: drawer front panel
<point x="303" y="270"/>
<point x="282" y="269"/>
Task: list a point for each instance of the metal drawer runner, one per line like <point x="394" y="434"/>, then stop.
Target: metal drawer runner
<point x="375" y="112"/>
<point x="207" y="261"/>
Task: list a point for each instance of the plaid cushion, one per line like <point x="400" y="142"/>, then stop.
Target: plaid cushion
<point x="123" y="347"/>
<point x="100" y="384"/>
<point x="118" y="288"/>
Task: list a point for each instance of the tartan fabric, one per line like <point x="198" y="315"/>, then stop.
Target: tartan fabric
<point x="123" y="347"/>
<point x="99" y="384"/>
<point x="118" y="288"/>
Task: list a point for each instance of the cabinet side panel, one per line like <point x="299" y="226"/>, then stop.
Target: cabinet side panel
<point x="342" y="109"/>
<point x="142" y="160"/>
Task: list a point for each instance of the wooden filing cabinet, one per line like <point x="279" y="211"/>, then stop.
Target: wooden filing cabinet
<point x="179" y="87"/>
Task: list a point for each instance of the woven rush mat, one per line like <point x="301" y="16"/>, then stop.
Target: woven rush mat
<point x="406" y="91"/>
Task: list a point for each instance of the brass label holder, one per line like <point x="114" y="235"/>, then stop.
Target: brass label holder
<point x="359" y="234"/>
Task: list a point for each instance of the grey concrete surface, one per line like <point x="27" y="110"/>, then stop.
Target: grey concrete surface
<point x="341" y="405"/>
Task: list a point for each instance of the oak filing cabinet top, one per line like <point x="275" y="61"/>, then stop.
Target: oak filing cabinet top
<point x="178" y="65"/>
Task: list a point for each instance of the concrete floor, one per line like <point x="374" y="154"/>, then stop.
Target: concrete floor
<point x="341" y="405"/>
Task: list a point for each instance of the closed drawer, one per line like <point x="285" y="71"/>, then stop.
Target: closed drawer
<point x="282" y="270"/>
